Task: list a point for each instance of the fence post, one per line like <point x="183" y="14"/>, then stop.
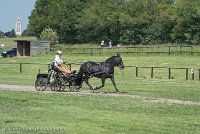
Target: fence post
<point x="191" y="50"/>
<point x="186" y="75"/>
<point x="100" y="51"/>
<point x="136" y="69"/>
<point x="199" y="74"/>
<point x="20" y="65"/>
<point x="169" y="73"/>
<point x="70" y="66"/>
<point x="91" y="51"/>
<point x="109" y="50"/>
<point x="152" y="72"/>
<point x="192" y="71"/>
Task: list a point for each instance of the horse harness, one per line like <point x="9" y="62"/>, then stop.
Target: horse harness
<point x="99" y="70"/>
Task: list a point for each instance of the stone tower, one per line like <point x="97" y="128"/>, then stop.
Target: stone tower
<point x="18" y="27"/>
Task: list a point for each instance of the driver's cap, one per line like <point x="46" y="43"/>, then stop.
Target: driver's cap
<point x="58" y="52"/>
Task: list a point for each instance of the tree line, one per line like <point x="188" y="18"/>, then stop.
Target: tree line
<point x="7" y="34"/>
<point x="128" y="22"/>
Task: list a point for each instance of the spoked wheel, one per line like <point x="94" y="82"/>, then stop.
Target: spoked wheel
<point x="40" y="84"/>
<point x="63" y="85"/>
<point x="57" y="85"/>
<point x="73" y="87"/>
<point x="68" y="82"/>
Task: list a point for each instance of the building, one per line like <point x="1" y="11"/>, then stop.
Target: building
<point x="18" y="27"/>
<point x="30" y="48"/>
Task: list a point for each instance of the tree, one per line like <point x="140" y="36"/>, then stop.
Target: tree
<point x="71" y="11"/>
<point x="61" y="15"/>
<point x="161" y="27"/>
<point x="10" y="33"/>
<point x="1" y="34"/>
<point x="49" y="34"/>
<point x="27" y="33"/>
<point x="128" y="22"/>
<point x="101" y="20"/>
<point x="187" y="18"/>
<point x="39" y="18"/>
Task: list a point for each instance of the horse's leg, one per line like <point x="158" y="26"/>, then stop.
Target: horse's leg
<point x="87" y="82"/>
<point x="103" y="83"/>
<point x="114" y="84"/>
<point x="80" y="86"/>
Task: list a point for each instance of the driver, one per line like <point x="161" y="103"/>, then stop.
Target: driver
<point x="59" y="64"/>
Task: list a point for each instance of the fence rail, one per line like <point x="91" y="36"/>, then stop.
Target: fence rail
<point x="134" y="50"/>
<point x="169" y="70"/>
<point x="135" y="70"/>
<point x="21" y="65"/>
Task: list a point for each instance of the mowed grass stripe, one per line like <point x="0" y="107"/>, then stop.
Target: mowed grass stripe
<point x="95" y="114"/>
<point x="99" y="93"/>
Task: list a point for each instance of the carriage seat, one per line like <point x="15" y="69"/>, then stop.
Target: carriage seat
<point x="58" y="73"/>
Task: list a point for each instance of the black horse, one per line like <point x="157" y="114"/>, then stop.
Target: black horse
<point x="101" y="70"/>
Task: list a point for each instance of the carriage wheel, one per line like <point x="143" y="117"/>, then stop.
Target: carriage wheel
<point x="52" y="86"/>
<point x="57" y="85"/>
<point x="63" y="84"/>
<point x="73" y="87"/>
<point x="40" y="84"/>
<point x="67" y="84"/>
<point x="70" y="83"/>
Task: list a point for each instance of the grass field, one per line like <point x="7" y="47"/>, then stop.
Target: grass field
<point x="144" y="105"/>
<point x="11" y="67"/>
<point x="23" y="112"/>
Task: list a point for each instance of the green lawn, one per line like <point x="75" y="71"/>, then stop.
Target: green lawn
<point x="73" y="113"/>
<point x="160" y="86"/>
<point x="11" y="68"/>
<point x="65" y="113"/>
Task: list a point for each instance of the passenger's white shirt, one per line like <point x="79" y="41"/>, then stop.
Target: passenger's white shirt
<point x="58" y="60"/>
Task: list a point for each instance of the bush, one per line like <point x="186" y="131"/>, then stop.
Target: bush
<point x="49" y="34"/>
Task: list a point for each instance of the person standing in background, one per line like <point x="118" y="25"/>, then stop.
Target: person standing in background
<point x="102" y="43"/>
<point x="110" y="44"/>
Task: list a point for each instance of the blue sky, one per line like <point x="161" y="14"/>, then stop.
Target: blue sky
<point x="10" y="10"/>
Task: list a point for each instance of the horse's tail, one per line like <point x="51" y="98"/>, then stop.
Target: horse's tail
<point x="80" y="73"/>
<point x="80" y="77"/>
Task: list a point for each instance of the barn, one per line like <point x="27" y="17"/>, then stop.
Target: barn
<point x="30" y="48"/>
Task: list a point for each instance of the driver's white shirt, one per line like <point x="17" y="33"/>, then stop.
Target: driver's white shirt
<point x="58" y="60"/>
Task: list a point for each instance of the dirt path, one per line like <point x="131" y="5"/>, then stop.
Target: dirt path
<point x="144" y="99"/>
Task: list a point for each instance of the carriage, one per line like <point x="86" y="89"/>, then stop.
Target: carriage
<point x="56" y="81"/>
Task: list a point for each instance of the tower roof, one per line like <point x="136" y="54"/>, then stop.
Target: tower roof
<point x="18" y="19"/>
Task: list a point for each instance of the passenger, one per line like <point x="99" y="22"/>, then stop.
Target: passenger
<point x="59" y="64"/>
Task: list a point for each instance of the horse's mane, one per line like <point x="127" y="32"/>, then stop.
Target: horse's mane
<point x="109" y="59"/>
